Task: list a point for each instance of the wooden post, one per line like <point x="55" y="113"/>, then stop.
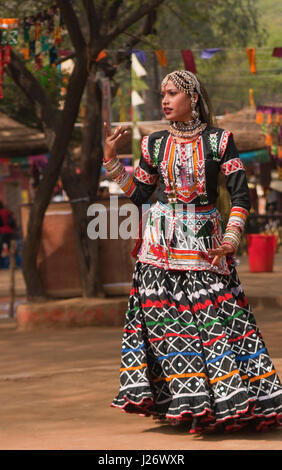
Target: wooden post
<point x="13" y="250"/>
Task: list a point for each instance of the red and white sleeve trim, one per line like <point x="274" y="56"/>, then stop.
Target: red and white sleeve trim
<point x="223" y="142"/>
<point x="145" y="151"/>
<point x="145" y="177"/>
<point x="231" y="166"/>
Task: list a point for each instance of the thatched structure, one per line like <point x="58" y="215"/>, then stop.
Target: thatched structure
<point x="247" y="133"/>
<point x="19" y="140"/>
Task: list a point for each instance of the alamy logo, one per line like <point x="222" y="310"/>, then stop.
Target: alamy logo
<point x="126" y="221"/>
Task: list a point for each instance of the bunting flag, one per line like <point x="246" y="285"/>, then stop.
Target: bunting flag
<point x="136" y="99"/>
<point x="137" y="67"/>
<point x="137" y="84"/>
<point x="189" y="62"/>
<point x="251" y="98"/>
<point x="209" y="53"/>
<point x="251" y="54"/>
<point x="277" y="52"/>
<point x="101" y="56"/>
<point x="161" y="57"/>
<point x="141" y="55"/>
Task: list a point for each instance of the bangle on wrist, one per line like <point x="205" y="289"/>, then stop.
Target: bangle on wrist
<point x="109" y="164"/>
<point x="234" y="248"/>
<point x="110" y="159"/>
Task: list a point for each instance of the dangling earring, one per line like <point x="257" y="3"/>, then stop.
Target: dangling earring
<point x="195" y="113"/>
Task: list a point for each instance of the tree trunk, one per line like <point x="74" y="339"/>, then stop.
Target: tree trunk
<point x="92" y="150"/>
<point x="91" y="162"/>
<point x="87" y="250"/>
<point x="44" y="193"/>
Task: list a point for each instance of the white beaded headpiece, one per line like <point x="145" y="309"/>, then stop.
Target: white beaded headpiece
<point x="187" y="82"/>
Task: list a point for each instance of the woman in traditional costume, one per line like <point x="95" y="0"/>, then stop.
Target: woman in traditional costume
<point x="191" y="349"/>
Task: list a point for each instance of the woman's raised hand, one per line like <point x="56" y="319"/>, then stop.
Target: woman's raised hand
<point x="111" y="141"/>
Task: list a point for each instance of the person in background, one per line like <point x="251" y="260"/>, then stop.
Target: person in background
<point x="7" y="226"/>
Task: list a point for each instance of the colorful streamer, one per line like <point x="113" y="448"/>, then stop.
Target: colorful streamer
<point x="209" y="53"/>
<point x="251" y="54"/>
<point x="277" y="52"/>
<point x="141" y="55"/>
<point x="161" y="57"/>
<point x="101" y="56"/>
<point x="251" y="98"/>
<point x="9" y="31"/>
<point x="137" y="67"/>
<point x="189" y="62"/>
<point x="43" y="32"/>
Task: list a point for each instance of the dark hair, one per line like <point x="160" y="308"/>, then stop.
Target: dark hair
<point x="204" y="117"/>
<point x="1" y="205"/>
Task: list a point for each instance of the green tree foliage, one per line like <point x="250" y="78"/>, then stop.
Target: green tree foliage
<point x="17" y="106"/>
<point x="231" y="25"/>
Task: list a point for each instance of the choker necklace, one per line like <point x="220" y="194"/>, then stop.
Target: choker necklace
<point x="186" y="130"/>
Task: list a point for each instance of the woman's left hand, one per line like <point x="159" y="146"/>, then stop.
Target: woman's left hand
<point x="222" y="250"/>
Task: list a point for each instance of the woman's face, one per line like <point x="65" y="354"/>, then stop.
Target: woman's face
<point x="175" y="103"/>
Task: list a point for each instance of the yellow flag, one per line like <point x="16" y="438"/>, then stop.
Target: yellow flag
<point x="251" y="97"/>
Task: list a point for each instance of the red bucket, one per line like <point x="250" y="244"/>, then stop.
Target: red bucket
<point x="261" y="250"/>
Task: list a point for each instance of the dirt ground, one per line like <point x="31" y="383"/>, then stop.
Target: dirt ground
<point x="57" y="386"/>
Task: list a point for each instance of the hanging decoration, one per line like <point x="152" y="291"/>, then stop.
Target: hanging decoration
<point x="137" y="68"/>
<point x="136" y="99"/>
<point x="189" y="62"/>
<point x="101" y="56"/>
<point x="161" y="57"/>
<point x="251" y="54"/>
<point x="43" y="34"/>
<point x="9" y="31"/>
<point x="137" y="85"/>
<point x="8" y="39"/>
<point x="277" y="52"/>
<point x="269" y="118"/>
<point x="141" y="55"/>
<point x="251" y="98"/>
<point x="209" y="53"/>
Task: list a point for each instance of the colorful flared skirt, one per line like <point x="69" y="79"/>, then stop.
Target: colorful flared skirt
<point x="191" y="351"/>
